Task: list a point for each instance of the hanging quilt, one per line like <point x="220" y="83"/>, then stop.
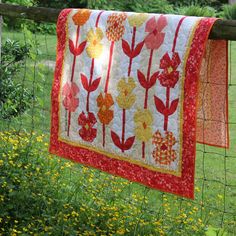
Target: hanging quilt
<point x="124" y="97"/>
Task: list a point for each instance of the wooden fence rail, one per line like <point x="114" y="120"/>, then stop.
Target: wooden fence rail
<point x="222" y="29"/>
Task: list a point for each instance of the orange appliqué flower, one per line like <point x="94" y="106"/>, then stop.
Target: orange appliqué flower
<point x="115" y="26"/>
<point x="105" y="114"/>
<point x="163" y="152"/>
<point x="81" y="17"/>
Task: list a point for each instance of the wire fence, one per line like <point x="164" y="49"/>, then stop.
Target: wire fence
<point x="110" y="205"/>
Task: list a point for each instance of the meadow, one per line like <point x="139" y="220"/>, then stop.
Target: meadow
<point x="42" y="194"/>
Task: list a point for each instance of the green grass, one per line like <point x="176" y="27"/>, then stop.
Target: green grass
<point x="140" y="210"/>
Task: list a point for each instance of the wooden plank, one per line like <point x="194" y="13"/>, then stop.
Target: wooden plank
<point x="222" y="29"/>
<point x="38" y="14"/>
<point x="0" y="34"/>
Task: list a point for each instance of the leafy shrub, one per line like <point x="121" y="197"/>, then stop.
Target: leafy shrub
<point x="212" y="3"/>
<point x="229" y="11"/>
<point x="196" y="10"/>
<point x="27" y="3"/>
<point x="154" y="6"/>
<point x="14" y="98"/>
<point x="41" y="28"/>
<point x="62" y="3"/>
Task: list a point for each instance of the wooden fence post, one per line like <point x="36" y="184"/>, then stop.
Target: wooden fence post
<point x="1" y="20"/>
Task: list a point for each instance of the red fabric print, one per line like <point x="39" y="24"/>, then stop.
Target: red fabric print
<point x="87" y="132"/>
<point x="154" y="27"/>
<point x="164" y="153"/>
<point x="169" y="76"/>
<point x="70" y="102"/>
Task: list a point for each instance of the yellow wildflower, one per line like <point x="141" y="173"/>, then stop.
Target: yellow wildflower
<point x="121" y="231"/>
<point x="136" y="20"/>
<point x="126" y="99"/>
<point x="39" y="139"/>
<point x="94" y="49"/>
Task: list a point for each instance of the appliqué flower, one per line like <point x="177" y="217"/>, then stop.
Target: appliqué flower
<point x="87" y="132"/>
<point x="163" y="152"/>
<point x="136" y="20"/>
<point x="143" y="120"/>
<point x="81" y="17"/>
<point x="170" y="76"/>
<point x="115" y="26"/>
<point x="105" y="114"/>
<point x="94" y="49"/>
<point x="126" y="99"/>
<point x="70" y="102"/>
<point x="155" y="37"/>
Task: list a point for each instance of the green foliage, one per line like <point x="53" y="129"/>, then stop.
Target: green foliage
<point x="196" y="10"/>
<point x="27" y="3"/>
<point x="42" y="194"/>
<point x="229" y="11"/>
<point x="14" y="98"/>
<point x="212" y="3"/>
<point x="62" y="3"/>
<point x="155" y="6"/>
<point x="41" y="28"/>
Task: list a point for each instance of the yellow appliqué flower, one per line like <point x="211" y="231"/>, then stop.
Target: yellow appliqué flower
<point x="143" y="120"/>
<point x="94" y="49"/>
<point x="136" y="20"/>
<point x="126" y="99"/>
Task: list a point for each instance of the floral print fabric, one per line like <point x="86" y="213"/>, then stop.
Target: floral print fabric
<point x="124" y="94"/>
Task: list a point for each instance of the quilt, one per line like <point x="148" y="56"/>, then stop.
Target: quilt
<point x="125" y="94"/>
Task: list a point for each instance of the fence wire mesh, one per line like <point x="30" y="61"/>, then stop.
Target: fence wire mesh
<point x="43" y="194"/>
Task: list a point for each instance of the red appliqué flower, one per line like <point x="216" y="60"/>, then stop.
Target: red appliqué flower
<point x="69" y="92"/>
<point x="169" y="76"/>
<point x="154" y="27"/>
<point x="87" y="132"/>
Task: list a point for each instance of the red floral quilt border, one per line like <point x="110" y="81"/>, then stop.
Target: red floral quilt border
<point x="184" y="185"/>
